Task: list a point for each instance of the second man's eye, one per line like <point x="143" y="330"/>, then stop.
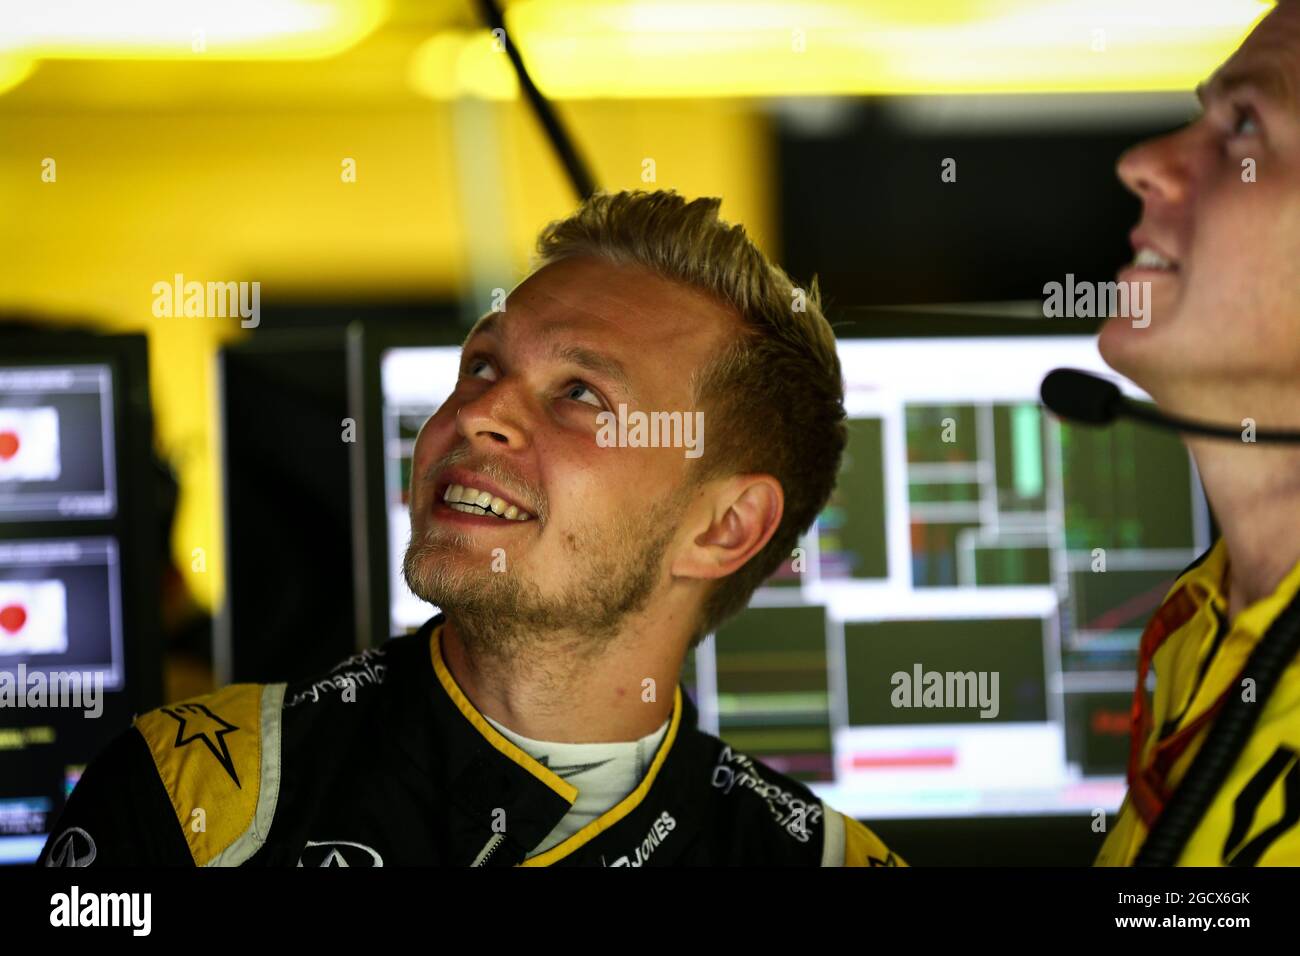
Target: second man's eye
<point x="1244" y="122"/>
<point x="474" y="366"/>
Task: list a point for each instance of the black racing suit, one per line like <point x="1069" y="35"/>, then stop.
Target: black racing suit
<point x="384" y="761"/>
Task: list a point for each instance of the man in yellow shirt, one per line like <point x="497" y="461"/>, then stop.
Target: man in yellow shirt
<point x="1219" y="242"/>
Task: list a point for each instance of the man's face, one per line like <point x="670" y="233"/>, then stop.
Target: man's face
<point x="1227" y="307"/>
<point x="577" y="338"/>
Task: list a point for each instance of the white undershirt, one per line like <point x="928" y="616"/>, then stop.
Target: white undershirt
<point x="602" y="773"/>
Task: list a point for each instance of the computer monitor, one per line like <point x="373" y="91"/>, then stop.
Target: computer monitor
<point x="288" y="610"/>
<point x="970" y="533"/>
<point x="398" y="375"/>
<point x="79" y="567"/>
<point x="974" y="538"/>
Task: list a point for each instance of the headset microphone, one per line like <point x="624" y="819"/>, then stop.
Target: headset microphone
<point x="1085" y="398"/>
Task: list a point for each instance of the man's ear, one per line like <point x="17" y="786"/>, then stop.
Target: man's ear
<point x="730" y="522"/>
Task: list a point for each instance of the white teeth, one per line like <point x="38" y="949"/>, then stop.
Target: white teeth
<point x="472" y="501"/>
<point x="1150" y="259"/>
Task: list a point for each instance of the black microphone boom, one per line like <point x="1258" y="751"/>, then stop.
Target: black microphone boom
<point x="1083" y="397"/>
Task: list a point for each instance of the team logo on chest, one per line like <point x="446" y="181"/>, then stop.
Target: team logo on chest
<point x="338" y="853"/>
<point x="73" y="847"/>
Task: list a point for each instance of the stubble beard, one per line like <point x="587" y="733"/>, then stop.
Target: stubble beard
<point x="504" y="615"/>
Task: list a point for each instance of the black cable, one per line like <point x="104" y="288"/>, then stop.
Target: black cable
<point x="579" y="176"/>
<point x="1148" y="413"/>
<point x="1223" y="743"/>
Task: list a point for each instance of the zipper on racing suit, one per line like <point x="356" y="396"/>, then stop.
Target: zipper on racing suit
<point x="488" y="849"/>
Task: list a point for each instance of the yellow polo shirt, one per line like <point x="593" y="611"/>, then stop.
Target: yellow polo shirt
<point x="1255" y="818"/>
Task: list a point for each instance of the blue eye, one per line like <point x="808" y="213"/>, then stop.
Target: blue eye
<point x="474" y="364"/>
<point x="583" y="387"/>
<point x="1244" y="123"/>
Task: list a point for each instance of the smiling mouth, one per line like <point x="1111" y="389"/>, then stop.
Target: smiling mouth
<point x="472" y="501"/>
<point x="1150" y="260"/>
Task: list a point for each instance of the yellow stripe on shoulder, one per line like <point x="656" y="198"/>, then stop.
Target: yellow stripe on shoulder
<point x="218" y="757"/>
<point x="864" y="848"/>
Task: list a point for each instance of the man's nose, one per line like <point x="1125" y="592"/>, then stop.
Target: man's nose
<point x="1156" y="171"/>
<point x="497" y="417"/>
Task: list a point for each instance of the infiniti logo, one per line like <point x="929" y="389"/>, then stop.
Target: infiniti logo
<point x="338" y="853"/>
<point x="73" y="847"/>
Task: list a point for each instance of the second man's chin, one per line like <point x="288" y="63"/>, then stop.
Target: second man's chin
<point x="1127" y="348"/>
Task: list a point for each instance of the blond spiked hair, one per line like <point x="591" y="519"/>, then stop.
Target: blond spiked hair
<point x="774" y="397"/>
